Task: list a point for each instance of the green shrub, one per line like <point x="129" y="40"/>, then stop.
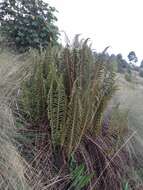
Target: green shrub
<point x="28" y="23"/>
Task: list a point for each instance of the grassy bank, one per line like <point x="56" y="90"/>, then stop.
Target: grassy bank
<point x="54" y="134"/>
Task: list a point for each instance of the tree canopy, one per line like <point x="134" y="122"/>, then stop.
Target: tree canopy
<point x="28" y="23"/>
<point x="132" y="57"/>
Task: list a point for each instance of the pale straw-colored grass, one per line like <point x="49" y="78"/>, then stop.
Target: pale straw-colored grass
<point x="12" y="166"/>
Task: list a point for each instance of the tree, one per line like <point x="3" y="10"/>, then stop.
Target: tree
<point x="132" y="57"/>
<point x="28" y="23"/>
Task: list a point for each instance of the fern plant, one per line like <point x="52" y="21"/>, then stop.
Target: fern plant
<point x="64" y="101"/>
<point x="71" y="95"/>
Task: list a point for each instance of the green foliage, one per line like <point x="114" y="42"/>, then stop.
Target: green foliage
<point x="28" y="23"/>
<point x="79" y="178"/>
<point x="126" y="186"/>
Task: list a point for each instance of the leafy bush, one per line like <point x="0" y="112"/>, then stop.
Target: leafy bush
<point x="28" y="23"/>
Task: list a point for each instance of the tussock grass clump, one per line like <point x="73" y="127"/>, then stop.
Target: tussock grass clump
<point x="11" y="164"/>
<point x="14" y="171"/>
<point x="13" y="70"/>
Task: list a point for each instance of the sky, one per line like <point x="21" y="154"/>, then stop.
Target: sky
<point x="115" y="23"/>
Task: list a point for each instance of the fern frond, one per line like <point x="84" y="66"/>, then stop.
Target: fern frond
<point x="57" y="102"/>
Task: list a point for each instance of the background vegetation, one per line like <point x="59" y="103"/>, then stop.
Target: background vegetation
<point x="28" y="23"/>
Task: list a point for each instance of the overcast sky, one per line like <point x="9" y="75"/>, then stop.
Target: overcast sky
<point x="118" y="23"/>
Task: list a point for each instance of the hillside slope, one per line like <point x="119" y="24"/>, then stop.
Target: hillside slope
<point x="130" y="96"/>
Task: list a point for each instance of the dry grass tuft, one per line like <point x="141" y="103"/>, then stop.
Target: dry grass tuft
<point x="13" y="168"/>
